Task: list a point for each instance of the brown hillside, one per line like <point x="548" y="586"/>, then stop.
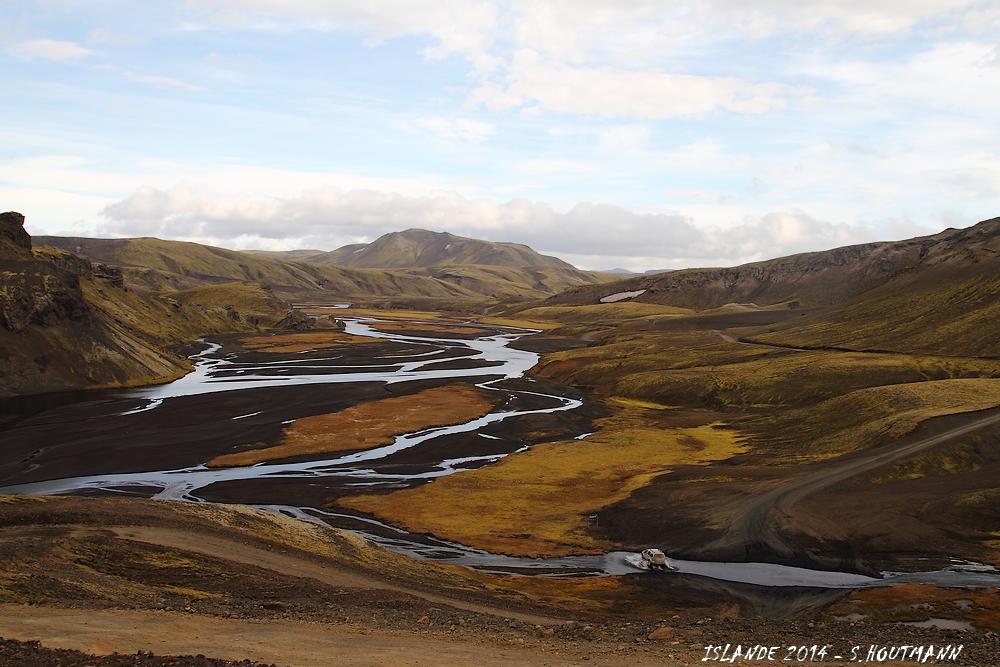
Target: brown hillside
<point x="419" y="248"/>
<point x="948" y="304"/>
<point x="811" y="279"/>
<point x="70" y="323"/>
<point x="471" y="270"/>
<point x="156" y="265"/>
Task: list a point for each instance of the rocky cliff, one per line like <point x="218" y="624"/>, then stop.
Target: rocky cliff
<point x="69" y="323"/>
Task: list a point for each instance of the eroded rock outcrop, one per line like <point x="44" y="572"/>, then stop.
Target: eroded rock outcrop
<point x="15" y="243"/>
<point x="52" y="337"/>
<point x="35" y="291"/>
<point x="296" y="320"/>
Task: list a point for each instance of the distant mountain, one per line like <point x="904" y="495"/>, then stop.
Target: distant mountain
<point x="304" y="255"/>
<point x="419" y="248"/>
<point x="413" y="264"/>
<point x="156" y="265"/>
<point x="626" y="272"/>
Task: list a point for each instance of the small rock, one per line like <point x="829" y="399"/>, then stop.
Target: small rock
<point x="729" y="612"/>
<point x="424" y="619"/>
<point x="662" y="634"/>
<point x="548" y="632"/>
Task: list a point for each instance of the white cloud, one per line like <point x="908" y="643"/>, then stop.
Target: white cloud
<point x="50" y="49"/>
<point x="613" y="92"/>
<point x="612" y="59"/>
<point x="105" y="36"/>
<point x="545" y="166"/>
<point x="626" y="138"/>
<point x="328" y="217"/>
<point x="162" y="81"/>
<point x="860" y="19"/>
<point x="705" y="194"/>
<point x="458" y="128"/>
<point x="53" y="212"/>
<point x="232" y="62"/>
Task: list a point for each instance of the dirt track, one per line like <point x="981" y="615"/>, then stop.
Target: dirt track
<point x="273" y="641"/>
<point x="755" y="528"/>
<point x="297" y="567"/>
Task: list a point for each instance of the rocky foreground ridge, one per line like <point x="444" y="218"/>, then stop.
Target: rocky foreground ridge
<point x="67" y="322"/>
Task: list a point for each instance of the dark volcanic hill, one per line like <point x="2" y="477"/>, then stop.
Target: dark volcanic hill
<point x="419" y="248"/>
<point x="947" y="303"/>
<point x="937" y="294"/>
<point x="807" y="280"/>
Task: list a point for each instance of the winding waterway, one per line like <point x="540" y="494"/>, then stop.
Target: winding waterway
<point x="490" y="362"/>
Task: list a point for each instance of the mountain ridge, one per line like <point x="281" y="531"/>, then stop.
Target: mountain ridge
<point x="451" y="273"/>
<point x="813" y="279"/>
<point x="420" y="248"/>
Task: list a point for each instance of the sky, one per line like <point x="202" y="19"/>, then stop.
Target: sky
<point x="634" y="134"/>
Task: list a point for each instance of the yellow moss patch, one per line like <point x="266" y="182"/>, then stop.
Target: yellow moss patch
<point x="636" y="403"/>
<point x="995" y="545"/>
<point x="291" y="343"/>
<point x="953" y="460"/>
<point x="391" y="327"/>
<point x="370" y="424"/>
<point x="536" y="502"/>
<point x="393" y="314"/>
<point x="868" y="417"/>
<point x="592" y="594"/>
<point x="518" y="322"/>
<point x="709" y="478"/>
<point x="905" y="603"/>
<point x="597" y="313"/>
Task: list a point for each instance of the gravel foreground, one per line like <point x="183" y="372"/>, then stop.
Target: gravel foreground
<point x="669" y="642"/>
<point x="33" y="654"/>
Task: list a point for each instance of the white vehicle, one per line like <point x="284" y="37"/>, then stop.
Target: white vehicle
<point x="654" y="559"/>
<point x="649" y="559"/>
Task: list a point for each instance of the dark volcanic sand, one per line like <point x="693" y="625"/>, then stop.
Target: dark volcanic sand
<point x="93" y="437"/>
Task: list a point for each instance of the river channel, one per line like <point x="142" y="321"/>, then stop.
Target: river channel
<point x="150" y="442"/>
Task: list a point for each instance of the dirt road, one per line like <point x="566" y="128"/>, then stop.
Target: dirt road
<point x="297" y="567"/>
<point x="291" y="643"/>
<point x="755" y="528"/>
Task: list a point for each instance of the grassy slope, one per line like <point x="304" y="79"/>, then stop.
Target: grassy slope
<point x="946" y="308"/>
<point x="186" y="265"/>
<point x="90" y="576"/>
<point x="520" y="282"/>
<point x="157" y="265"/>
<point x="864" y="418"/>
<point x="809" y="279"/>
